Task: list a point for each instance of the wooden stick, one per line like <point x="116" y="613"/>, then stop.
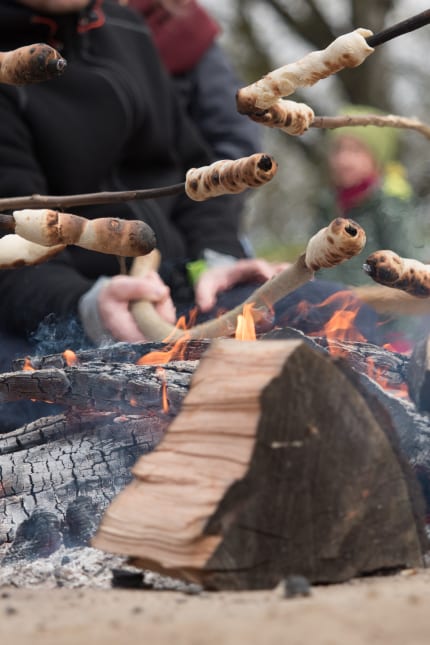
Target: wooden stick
<point x="88" y="199"/>
<point x="225" y="177"/>
<point x="333" y="244"/>
<point x="400" y="28"/>
<point x="388" y="301"/>
<point x="30" y="64"/>
<point x="389" y="120"/>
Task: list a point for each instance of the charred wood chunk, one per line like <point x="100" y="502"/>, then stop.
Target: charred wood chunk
<point x="81" y="521"/>
<point x="36" y="537"/>
<point x="418" y="375"/>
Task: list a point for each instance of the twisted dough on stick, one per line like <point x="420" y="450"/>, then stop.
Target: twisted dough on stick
<point x="16" y="252"/>
<point x="289" y="116"/>
<point x="349" y="50"/>
<point x="332" y="245"/>
<point x="389" y="269"/>
<point x="127" y="238"/>
<point x="339" y="241"/>
<point x="30" y="64"/>
<point x="228" y="176"/>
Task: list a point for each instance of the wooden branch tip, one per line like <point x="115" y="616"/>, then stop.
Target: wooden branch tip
<point x="31" y="64"/>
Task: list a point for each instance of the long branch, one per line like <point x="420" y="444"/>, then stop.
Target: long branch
<point x="389" y="120"/>
<point x="87" y="199"/>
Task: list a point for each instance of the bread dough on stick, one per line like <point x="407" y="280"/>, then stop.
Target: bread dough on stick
<point x="341" y="240"/>
<point x="389" y="269"/>
<point x="30" y="64"/>
<point x="349" y="50"/>
<point x="127" y="238"/>
<point x="289" y="116"/>
<point x="229" y="176"/>
<point x="16" y="252"/>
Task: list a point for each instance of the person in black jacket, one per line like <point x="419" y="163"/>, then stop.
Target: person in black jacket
<point x="111" y="122"/>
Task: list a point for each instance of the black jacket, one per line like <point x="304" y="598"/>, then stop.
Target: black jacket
<point x="111" y="122"/>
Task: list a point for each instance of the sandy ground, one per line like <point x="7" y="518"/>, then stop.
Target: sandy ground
<point x="389" y="610"/>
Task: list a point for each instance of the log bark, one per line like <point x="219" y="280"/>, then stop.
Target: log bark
<point x="277" y="464"/>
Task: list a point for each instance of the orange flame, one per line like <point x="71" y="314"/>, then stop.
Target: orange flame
<point x="245" y="327"/>
<point x="176" y="352"/>
<point x="160" y="371"/>
<point x="70" y="357"/>
<point x="341" y="326"/>
<point x="28" y="367"/>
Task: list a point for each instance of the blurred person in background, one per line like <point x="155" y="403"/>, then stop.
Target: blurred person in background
<point x="367" y="184"/>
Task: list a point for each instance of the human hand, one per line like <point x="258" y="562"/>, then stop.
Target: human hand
<point x="116" y="295"/>
<point x="223" y="277"/>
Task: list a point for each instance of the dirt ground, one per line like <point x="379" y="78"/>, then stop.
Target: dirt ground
<point x="389" y="610"/>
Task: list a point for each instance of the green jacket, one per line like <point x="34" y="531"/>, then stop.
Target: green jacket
<point x="388" y="223"/>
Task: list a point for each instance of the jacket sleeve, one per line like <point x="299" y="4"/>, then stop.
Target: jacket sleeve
<point x="30" y="293"/>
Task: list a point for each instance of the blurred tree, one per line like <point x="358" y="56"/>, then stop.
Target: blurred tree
<point x="262" y="35"/>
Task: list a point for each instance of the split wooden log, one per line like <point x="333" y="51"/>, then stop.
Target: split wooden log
<point x="30" y="64"/>
<point x="330" y="246"/>
<point x="257" y="479"/>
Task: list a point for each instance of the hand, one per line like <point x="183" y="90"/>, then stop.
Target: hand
<point x="115" y="297"/>
<point x="223" y="277"/>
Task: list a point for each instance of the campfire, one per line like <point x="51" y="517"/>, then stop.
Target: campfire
<point x="216" y="452"/>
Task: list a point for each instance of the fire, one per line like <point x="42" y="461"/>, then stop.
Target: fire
<point x="28" y="367"/>
<point x="245" y="328"/>
<point x="176" y="352"/>
<point x="160" y="371"/>
<point x="70" y="357"/>
<point x="341" y="326"/>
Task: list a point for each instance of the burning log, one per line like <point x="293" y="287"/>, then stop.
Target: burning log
<point x="49" y="228"/>
<point x="30" y="64"/>
<point x="246" y="477"/>
<point x="335" y="243"/>
<point x="114" y="414"/>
